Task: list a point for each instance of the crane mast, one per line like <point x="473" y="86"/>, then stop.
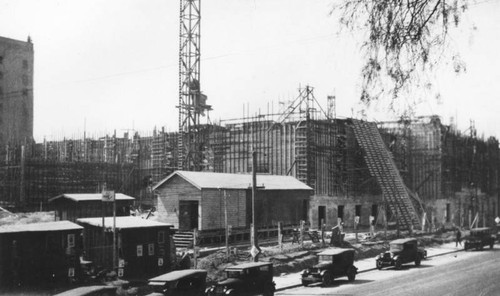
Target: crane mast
<point x="192" y="102"/>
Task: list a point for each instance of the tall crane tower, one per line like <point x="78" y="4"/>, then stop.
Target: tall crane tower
<point x="192" y="103"/>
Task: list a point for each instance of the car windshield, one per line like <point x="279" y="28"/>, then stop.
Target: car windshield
<point x="234" y="273"/>
<point x="325" y="258"/>
<point x="396" y="247"/>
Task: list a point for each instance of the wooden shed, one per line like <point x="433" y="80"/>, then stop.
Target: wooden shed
<point x="143" y="246"/>
<point x="39" y="253"/>
<point x="72" y="206"/>
<point x="191" y="200"/>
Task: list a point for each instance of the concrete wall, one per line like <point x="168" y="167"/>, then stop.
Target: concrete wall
<point x="331" y="203"/>
<point x="16" y="95"/>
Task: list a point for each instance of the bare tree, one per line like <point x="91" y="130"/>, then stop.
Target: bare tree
<point x="404" y="39"/>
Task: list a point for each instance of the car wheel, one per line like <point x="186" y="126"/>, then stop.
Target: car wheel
<point x="327" y="279"/>
<point x="417" y="261"/>
<point x="398" y="264"/>
<point x="379" y="265"/>
<point x="305" y="283"/>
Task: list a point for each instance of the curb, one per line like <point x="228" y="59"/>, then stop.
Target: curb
<point x="370" y="269"/>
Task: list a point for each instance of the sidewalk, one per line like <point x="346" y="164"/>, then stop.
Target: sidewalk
<point x="292" y="280"/>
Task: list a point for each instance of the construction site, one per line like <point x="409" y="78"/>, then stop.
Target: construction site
<point x="415" y="173"/>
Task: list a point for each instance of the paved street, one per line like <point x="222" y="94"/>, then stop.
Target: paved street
<point x="457" y="273"/>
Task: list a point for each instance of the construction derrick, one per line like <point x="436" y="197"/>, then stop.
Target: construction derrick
<point x="192" y="103"/>
<point x="382" y="166"/>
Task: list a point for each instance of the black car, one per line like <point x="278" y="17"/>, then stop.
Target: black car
<point x="254" y="278"/>
<point x="100" y="290"/>
<point x="188" y="282"/>
<point x="332" y="264"/>
<point x="401" y="251"/>
<point x="478" y="238"/>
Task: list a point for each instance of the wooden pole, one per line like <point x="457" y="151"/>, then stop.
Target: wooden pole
<point x="255" y="243"/>
<point x="280" y="236"/>
<point x="227" y="226"/>
<point x="114" y="233"/>
<point x="195" y="255"/>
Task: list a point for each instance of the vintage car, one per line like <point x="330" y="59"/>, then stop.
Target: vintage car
<point x="255" y="278"/>
<point x="478" y="238"/>
<point x="100" y="290"/>
<point x="401" y="251"/>
<point x="188" y="282"/>
<point x="332" y="264"/>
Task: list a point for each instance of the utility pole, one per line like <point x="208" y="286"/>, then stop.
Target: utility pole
<point x="255" y="251"/>
<point x="227" y="226"/>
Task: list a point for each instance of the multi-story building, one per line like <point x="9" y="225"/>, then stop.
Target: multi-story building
<point x="16" y="91"/>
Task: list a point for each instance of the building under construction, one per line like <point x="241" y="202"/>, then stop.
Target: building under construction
<point x="416" y="172"/>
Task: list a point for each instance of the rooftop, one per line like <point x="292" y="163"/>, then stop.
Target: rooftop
<point x="89" y="196"/>
<point x="177" y="274"/>
<point x="40" y="227"/>
<point x="335" y="251"/>
<point x="248" y="265"/>
<point x="127" y="222"/>
<point x="403" y="240"/>
<point x="205" y="180"/>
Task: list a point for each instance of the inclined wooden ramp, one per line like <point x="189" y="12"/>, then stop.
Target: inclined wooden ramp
<point x="383" y="168"/>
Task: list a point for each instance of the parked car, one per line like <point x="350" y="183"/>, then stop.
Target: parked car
<point x="478" y="238"/>
<point x="401" y="251"/>
<point x="332" y="264"/>
<point x="188" y="282"/>
<point x="100" y="290"/>
<point x="254" y="278"/>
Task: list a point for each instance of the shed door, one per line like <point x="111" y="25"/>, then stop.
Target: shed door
<point x="188" y="218"/>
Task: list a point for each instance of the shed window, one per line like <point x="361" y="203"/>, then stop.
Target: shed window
<point x="139" y="250"/>
<point x="161" y="237"/>
<point x="151" y="249"/>
<point x="25" y="64"/>
<point x="71" y="240"/>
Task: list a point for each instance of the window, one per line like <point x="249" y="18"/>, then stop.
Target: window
<point x="151" y="249"/>
<point x="448" y="212"/>
<point x="25" y="91"/>
<point x="139" y="250"/>
<point x="1" y="59"/>
<point x="357" y="210"/>
<point x="1" y="75"/>
<point x="340" y="212"/>
<point x="374" y="211"/>
<point x="161" y="237"/>
<point x="71" y="240"/>
<point x="25" y="80"/>
<point x="25" y="64"/>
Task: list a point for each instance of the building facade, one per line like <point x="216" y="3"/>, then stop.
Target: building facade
<point x="16" y="91"/>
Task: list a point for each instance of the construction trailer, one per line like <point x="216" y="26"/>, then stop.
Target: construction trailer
<point x="203" y="200"/>
<point x="40" y="254"/>
<point x="71" y="206"/>
<point x="143" y="248"/>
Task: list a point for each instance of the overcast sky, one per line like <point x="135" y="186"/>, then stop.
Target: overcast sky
<point x="113" y="65"/>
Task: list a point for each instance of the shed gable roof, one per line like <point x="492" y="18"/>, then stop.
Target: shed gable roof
<point x="122" y="222"/>
<point x="205" y="180"/>
<point x="89" y="197"/>
<point x="40" y="227"/>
